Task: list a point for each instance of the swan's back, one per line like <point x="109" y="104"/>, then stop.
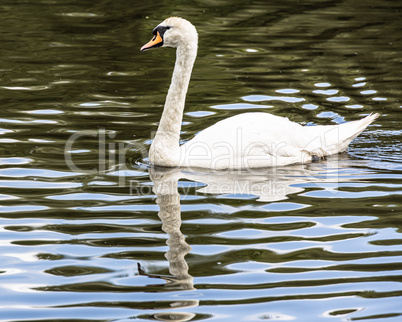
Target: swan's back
<point x="253" y="140"/>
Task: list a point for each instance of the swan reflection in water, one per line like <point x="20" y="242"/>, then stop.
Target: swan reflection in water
<point x="168" y="199"/>
<point x="267" y="185"/>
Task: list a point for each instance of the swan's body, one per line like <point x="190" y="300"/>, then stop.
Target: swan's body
<point x="249" y="140"/>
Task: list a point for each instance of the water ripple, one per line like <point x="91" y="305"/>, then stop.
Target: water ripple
<point x="106" y="243"/>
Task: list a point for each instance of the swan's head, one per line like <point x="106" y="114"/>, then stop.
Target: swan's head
<point x="173" y="32"/>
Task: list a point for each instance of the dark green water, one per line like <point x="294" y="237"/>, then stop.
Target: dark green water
<point x="83" y="237"/>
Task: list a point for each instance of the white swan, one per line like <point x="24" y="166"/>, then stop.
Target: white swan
<point x="249" y="140"/>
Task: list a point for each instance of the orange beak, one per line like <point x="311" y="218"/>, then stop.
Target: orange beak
<point x="155" y="42"/>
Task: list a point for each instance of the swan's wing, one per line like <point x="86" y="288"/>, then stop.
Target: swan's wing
<point x="247" y="140"/>
<point x="253" y="140"/>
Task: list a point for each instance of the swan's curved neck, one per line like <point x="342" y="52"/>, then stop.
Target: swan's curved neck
<point x="165" y="146"/>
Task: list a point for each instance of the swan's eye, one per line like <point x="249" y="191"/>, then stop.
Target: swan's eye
<point x="161" y="30"/>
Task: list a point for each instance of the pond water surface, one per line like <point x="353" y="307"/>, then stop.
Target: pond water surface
<point x="90" y="233"/>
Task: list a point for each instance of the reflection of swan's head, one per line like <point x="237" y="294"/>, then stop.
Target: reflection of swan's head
<point x="173" y="32"/>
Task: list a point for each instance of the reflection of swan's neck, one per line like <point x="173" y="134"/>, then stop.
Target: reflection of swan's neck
<point x="168" y="200"/>
<point x="178" y="248"/>
<point x="165" y="146"/>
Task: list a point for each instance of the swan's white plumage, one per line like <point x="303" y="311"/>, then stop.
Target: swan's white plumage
<point x="253" y="140"/>
<point x="249" y="140"/>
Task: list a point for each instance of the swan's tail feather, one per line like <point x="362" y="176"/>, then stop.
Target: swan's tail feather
<point x="349" y="131"/>
<point x="336" y="138"/>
